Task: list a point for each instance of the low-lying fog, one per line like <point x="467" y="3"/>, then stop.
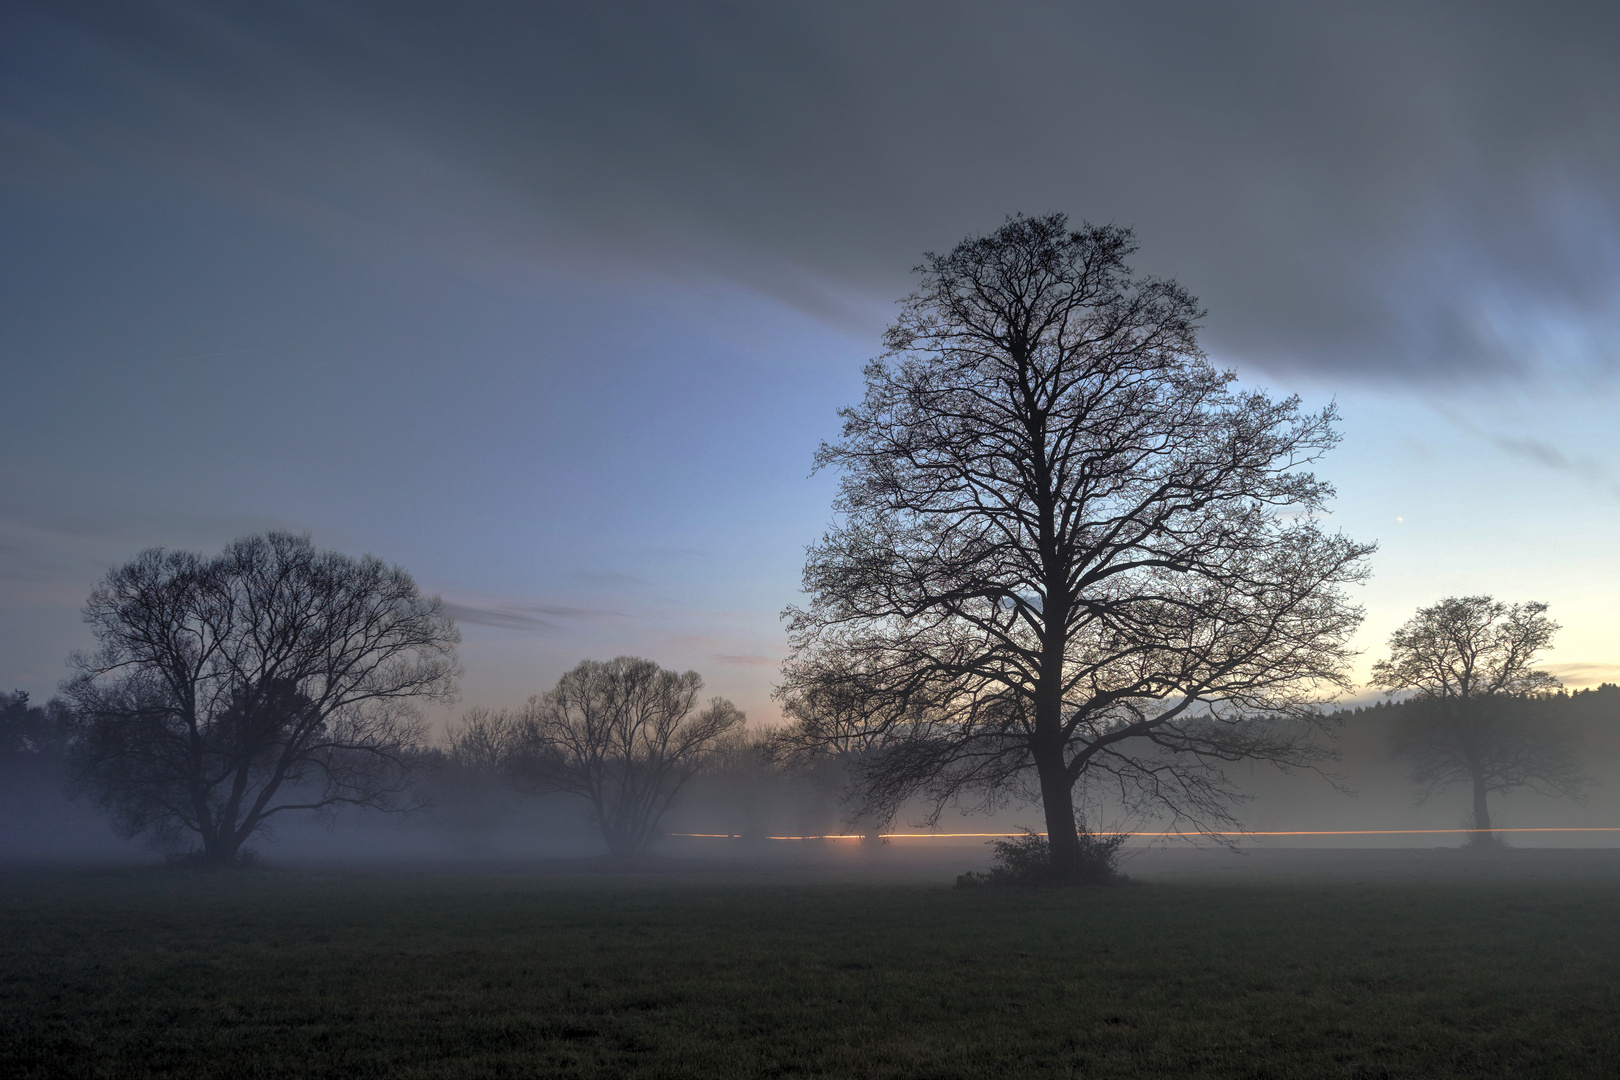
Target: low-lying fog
<point x="473" y="819"/>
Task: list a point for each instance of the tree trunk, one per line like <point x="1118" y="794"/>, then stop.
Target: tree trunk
<point x="1482" y="815"/>
<point x="218" y="842"/>
<point x="221" y="847"/>
<point x="1057" y="799"/>
<point x="1057" y="786"/>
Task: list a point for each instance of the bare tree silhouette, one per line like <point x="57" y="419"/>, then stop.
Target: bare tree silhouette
<point x="1468" y="663"/>
<point x="1067" y="547"/>
<point x="624" y="736"/>
<point x="271" y="678"/>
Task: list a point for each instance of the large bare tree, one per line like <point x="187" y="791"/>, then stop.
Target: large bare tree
<point x="1468" y="666"/>
<point x="624" y="735"/>
<point x="1068" y="551"/>
<point x="271" y="678"/>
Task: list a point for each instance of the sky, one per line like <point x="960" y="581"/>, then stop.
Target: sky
<point x="551" y="304"/>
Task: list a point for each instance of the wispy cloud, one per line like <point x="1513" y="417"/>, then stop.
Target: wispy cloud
<point x="1547" y="456"/>
<point x="673" y="553"/>
<point x="1539" y="452"/>
<point x="1576" y="675"/>
<point x="53" y="555"/>
<point x="607" y="578"/>
<point x="517" y="615"/>
<point x="134" y="364"/>
<point x="746" y="659"/>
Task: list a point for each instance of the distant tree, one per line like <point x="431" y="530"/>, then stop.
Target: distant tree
<point x="832" y="771"/>
<point x="1596" y="708"/>
<point x="34" y="816"/>
<point x="271" y="678"/>
<point x="33" y="729"/>
<point x="623" y="735"/>
<point x="483" y="742"/>
<point x="1069" y="552"/>
<point x="741" y="789"/>
<point x="1467" y="664"/>
<point x="470" y="784"/>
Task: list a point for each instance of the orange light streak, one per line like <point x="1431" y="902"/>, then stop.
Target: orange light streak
<point x="1295" y="832"/>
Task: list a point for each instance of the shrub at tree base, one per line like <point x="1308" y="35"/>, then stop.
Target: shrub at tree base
<point x="202" y="860"/>
<point x="1027" y="862"/>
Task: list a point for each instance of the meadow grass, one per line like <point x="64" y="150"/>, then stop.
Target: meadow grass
<point x="267" y="973"/>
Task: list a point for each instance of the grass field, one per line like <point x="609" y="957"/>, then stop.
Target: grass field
<point x="283" y="973"/>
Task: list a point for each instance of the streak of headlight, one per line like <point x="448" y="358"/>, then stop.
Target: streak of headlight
<point x="1297" y="832"/>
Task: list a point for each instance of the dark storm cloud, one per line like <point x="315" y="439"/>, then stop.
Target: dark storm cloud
<point x="1399" y="191"/>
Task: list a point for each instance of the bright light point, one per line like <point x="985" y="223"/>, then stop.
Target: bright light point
<point x="1400" y="519"/>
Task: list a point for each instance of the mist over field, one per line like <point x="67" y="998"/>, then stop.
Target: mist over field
<point x="479" y="820"/>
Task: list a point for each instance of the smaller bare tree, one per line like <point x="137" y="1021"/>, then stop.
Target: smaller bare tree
<point x="1468" y="664"/>
<point x="624" y="736"/>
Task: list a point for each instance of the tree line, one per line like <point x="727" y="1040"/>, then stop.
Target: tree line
<point x="1072" y="561"/>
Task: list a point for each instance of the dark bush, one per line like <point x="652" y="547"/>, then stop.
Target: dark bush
<point x="201" y="860"/>
<point x="1026" y="861"/>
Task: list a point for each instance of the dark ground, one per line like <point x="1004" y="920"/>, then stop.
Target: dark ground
<point x="1276" y="964"/>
